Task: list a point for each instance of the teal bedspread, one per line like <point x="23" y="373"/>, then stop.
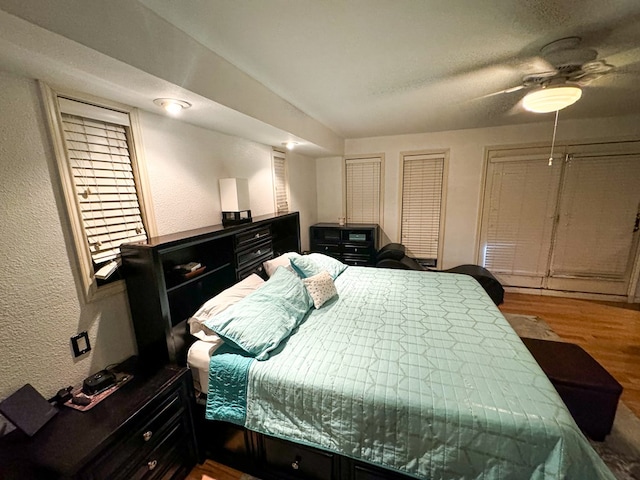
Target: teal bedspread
<point x="417" y="372"/>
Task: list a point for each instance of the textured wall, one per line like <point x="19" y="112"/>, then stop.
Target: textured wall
<point x="302" y="192"/>
<point x="184" y="164"/>
<point x="40" y="306"/>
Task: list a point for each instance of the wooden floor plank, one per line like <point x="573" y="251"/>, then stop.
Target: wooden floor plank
<point x="609" y="331"/>
<point x="210" y="470"/>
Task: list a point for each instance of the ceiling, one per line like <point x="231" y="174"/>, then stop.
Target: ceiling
<point x="357" y="68"/>
<point x="380" y="67"/>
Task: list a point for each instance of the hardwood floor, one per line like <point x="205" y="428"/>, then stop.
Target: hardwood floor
<point x="610" y="332"/>
<point x="211" y="470"/>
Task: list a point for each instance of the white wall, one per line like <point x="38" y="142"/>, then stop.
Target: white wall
<point x="466" y="168"/>
<point x="330" y="195"/>
<point x="40" y="305"/>
<point x="184" y="164"/>
<point x="184" y="174"/>
<point x="302" y="192"/>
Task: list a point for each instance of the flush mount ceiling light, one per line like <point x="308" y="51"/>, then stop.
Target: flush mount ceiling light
<point x="290" y="145"/>
<point x="551" y="99"/>
<point x="172" y="105"/>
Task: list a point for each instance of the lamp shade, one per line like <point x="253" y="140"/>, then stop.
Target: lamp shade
<point x="234" y="194"/>
<point x="551" y="99"/>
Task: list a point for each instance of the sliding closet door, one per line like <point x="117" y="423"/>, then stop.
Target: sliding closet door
<point x="520" y="196"/>
<point x="596" y="236"/>
<point x="569" y="226"/>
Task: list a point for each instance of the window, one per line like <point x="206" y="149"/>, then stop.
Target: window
<point x="363" y="189"/>
<point x="280" y="183"/>
<point x="422" y="205"/>
<point x="101" y="180"/>
<point x="519" y="212"/>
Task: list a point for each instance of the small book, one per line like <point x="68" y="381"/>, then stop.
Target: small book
<point x="188" y="267"/>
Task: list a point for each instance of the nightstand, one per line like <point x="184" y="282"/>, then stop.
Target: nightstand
<point x="144" y="430"/>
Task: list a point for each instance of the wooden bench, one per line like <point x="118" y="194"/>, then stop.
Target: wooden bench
<point x="589" y="391"/>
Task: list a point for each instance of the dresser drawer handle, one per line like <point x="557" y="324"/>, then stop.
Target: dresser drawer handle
<point x="257" y="235"/>
<point x="147" y="435"/>
<point x="259" y="252"/>
<point x="152" y="464"/>
<point x="296" y="464"/>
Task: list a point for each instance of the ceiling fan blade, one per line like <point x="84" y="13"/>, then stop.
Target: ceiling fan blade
<point x="586" y="78"/>
<point x="506" y="90"/>
<point x="624" y="58"/>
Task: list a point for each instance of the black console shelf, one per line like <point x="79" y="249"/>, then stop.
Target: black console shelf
<point x="159" y="299"/>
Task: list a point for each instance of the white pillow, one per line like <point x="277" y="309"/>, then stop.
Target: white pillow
<point x="281" y="261"/>
<point x="321" y="288"/>
<point x="221" y="302"/>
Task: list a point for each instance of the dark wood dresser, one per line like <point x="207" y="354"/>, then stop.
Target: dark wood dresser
<point x="144" y="430"/>
<point x="353" y="244"/>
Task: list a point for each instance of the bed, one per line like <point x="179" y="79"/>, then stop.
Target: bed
<point x="415" y="373"/>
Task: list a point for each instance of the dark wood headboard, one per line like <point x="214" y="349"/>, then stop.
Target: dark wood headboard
<point x="162" y="298"/>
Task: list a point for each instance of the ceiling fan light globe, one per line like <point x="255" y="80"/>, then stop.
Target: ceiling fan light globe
<point x="551" y="99"/>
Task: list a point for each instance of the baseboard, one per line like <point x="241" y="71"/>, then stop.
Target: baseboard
<point x="567" y="294"/>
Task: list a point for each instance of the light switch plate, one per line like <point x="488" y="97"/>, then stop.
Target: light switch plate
<point x="80" y="344"/>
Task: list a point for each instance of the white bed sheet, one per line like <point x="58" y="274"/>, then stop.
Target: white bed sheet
<point x="198" y="358"/>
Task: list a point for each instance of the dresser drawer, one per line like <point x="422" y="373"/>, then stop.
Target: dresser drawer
<point x="152" y="427"/>
<point x="263" y="250"/>
<point x="358" y="260"/>
<point x="252" y="236"/>
<point x="298" y="461"/>
<point x="328" y="249"/>
<point x="162" y="461"/>
<point x="355" y="249"/>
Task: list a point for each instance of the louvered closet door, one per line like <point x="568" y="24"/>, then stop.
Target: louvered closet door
<point x="363" y="192"/>
<point x="595" y="241"/>
<point x="519" y="207"/>
<point x="422" y="204"/>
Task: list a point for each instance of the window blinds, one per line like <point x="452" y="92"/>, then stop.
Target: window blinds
<point x="598" y="207"/>
<point x="363" y="183"/>
<point x="422" y="177"/>
<point x="520" y="199"/>
<point x="100" y="163"/>
<point x="280" y="182"/>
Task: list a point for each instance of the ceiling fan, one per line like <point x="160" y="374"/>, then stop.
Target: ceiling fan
<point x="564" y="68"/>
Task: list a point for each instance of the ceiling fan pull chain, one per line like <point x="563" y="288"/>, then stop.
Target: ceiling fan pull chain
<point x="553" y="140"/>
